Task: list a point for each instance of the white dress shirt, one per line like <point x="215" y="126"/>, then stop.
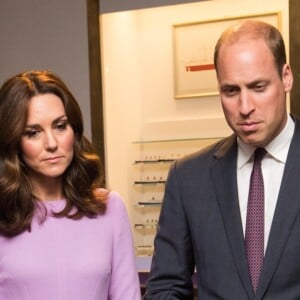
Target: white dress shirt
<point x="272" y="168"/>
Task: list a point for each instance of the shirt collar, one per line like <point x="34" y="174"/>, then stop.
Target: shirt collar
<point x="278" y="148"/>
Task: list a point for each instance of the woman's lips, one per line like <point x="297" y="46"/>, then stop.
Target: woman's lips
<point x="53" y="159"/>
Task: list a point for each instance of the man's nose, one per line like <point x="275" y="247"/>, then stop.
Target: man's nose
<point x="246" y="104"/>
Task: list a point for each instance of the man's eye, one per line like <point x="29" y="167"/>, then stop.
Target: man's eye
<point x="260" y="87"/>
<point x="229" y="91"/>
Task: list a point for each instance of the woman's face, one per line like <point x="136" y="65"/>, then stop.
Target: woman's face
<point x="48" y="139"/>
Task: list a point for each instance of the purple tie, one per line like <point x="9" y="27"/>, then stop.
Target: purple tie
<point x="254" y="237"/>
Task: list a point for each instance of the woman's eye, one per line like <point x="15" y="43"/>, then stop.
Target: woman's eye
<point x="61" y="126"/>
<point x="30" y="133"/>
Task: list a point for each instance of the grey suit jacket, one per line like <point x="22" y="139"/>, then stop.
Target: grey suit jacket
<point x="200" y="226"/>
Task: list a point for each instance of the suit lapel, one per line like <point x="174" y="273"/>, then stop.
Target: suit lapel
<point x="287" y="209"/>
<point x="224" y="178"/>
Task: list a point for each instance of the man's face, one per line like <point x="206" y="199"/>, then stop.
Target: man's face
<point x="253" y="95"/>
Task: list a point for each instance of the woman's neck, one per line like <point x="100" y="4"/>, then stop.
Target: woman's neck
<point x="46" y="189"/>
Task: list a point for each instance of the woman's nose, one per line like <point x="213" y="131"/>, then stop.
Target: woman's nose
<point x="50" y="141"/>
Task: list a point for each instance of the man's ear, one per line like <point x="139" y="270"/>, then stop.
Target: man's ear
<point x="287" y="77"/>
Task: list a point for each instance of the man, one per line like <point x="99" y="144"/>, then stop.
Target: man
<point x="204" y="222"/>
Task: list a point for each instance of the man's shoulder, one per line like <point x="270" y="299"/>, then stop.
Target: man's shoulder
<point x="209" y="152"/>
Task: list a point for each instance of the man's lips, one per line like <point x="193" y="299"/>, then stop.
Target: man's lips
<point x="249" y="126"/>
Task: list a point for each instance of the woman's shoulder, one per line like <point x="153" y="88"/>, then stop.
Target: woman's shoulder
<point x="114" y="200"/>
<point x="111" y="198"/>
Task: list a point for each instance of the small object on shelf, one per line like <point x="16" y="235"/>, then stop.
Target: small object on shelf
<point x="150" y="224"/>
<point x="146" y="226"/>
<point x="144" y="250"/>
<point x="151" y="180"/>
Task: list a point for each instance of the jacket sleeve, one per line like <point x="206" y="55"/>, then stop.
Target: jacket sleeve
<point x="173" y="261"/>
<point x="124" y="280"/>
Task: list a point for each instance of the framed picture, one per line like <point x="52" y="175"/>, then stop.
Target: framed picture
<point x="194" y="73"/>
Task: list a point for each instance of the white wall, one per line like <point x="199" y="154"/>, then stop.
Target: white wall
<point x="138" y="80"/>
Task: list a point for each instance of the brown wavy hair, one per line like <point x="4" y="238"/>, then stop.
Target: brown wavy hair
<point x="80" y="180"/>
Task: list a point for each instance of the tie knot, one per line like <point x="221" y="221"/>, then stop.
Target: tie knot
<point x="259" y="154"/>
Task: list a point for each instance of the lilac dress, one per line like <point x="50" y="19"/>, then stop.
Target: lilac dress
<point x="65" y="259"/>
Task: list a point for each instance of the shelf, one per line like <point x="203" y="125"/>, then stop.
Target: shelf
<point x="149" y="203"/>
<point x="177" y="140"/>
<point x="149" y="182"/>
<point x="146" y="161"/>
<point x="154" y="161"/>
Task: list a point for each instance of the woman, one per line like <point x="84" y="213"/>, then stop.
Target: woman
<point x="61" y="236"/>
